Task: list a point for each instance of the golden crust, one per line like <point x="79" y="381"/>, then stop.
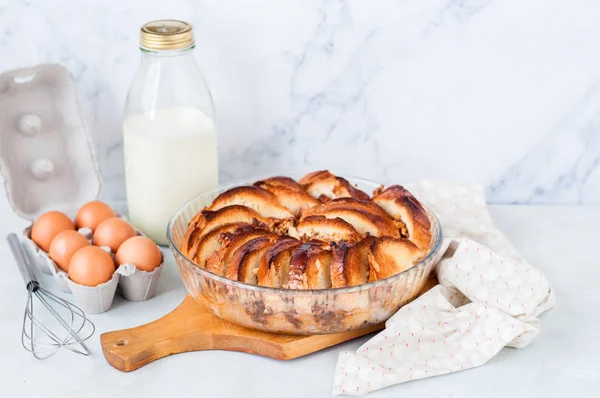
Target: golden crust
<point x="390" y="256"/>
<point x="350" y="203"/>
<point x="317" y="274"/>
<point x="323" y="185"/>
<point x="356" y="262"/>
<point x="236" y="271"/>
<point x="402" y="206"/>
<point x="298" y="262"/>
<point x="364" y="223"/>
<point x="250" y="263"/>
<point x="274" y="265"/>
<point x="281" y="181"/>
<point x="289" y="193"/>
<point x="190" y="239"/>
<point x="350" y="263"/>
<point x="207" y="220"/>
<point x="258" y="199"/>
<point x="366" y="217"/>
<point x="313" y="176"/>
<point x="211" y="242"/>
<point x="325" y="229"/>
<point x="279" y="271"/>
<point x="196" y="227"/>
<point x="219" y="262"/>
<point x="338" y="271"/>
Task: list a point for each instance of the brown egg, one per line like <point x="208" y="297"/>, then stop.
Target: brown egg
<point x="112" y="232"/>
<point x="47" y="226"/>
<point x="93" y="213"/>
<point x="91" y="266"/>
<point x="64" y="245"/>
<point x="139" y="251"/>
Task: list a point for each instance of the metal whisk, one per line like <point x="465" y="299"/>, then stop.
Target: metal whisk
<point x="60" y="323"/>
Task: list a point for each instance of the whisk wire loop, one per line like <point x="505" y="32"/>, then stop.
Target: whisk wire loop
<point x="38" y="336"/>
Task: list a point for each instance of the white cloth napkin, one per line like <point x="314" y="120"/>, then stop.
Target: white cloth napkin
<point x="488" y="298"/>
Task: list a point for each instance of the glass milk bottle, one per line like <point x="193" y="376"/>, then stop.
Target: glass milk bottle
<point x="170" y="140"/>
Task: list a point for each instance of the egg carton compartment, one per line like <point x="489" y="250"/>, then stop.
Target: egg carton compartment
<point x="135" y="284"/>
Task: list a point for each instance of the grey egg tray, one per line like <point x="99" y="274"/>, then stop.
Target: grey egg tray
<point x="47" y="162"/>
<point x="135" y="284"/>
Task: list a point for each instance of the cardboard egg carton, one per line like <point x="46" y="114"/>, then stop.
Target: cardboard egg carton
<point x="135" y="284"/>
<point x="47" y="162"/>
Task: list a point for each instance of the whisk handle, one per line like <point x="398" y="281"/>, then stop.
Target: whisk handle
<point x="21" y="258"/>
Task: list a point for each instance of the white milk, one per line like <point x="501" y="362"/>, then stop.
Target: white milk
<point x="170" y="156"/>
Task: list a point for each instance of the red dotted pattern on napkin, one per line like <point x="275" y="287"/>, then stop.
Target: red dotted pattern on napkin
<point x="465" y="322"/>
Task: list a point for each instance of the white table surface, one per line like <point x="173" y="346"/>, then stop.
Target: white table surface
<point x="564" y="361"/>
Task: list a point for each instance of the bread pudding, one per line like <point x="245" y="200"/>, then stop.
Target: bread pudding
<point x="320" y="232"/>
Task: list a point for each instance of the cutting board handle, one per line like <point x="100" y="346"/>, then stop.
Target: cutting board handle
<point x="130" y="349"/>
<point x="193" y="327"/>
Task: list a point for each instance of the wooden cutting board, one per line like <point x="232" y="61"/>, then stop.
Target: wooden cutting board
<point x="193" y="327"/>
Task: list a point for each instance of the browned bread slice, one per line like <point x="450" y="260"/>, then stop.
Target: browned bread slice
<point x="402" y="206"/>
<point x="349" y="203"/>
<point x="289" y="193"/>
<point x="350" y="263"/>
<point x="250" y="264"/>
<point x="313" y="176"/>
<point x="190" y="239"/>
<point x="281" y="181"/>
<point x="317" y="272"/>
<point x="209" y="220"/>
<point x="193" y="233"/>
<point x="297" y="277"/>
<point x="356" y="262"/>
<point x="218" y="263"/>
<point x="211" y="242"/>
<point x="338" y="273"/>
<point x="364" y="223"/>
<point x="194" y="221"/>
<point x="365" y="216"/>
<point x="258" y="199"/>
<point x="323" y="185"/>
<point x="239" y="269"/>
<point x="274" y="266"/>
<point x="390" y="256"/>
<point x="324" y="229"/>
<point x="279" y="268"/>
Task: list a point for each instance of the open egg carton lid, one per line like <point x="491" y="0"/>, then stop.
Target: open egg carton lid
<point x="46" y="155"/>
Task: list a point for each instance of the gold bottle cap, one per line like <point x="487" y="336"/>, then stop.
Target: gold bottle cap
<point x="167" y="34"/>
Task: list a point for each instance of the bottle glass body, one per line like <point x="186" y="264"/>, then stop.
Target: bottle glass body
<point x="169" y="137"/>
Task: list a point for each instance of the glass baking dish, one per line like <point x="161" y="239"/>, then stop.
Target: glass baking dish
<point x="297" y="311"/>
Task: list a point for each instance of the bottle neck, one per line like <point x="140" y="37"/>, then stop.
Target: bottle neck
<point x="153" y="54"/>
<point x="168" y="79"/>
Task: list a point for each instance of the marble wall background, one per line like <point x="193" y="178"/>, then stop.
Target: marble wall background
<point x="502" y="93"/>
